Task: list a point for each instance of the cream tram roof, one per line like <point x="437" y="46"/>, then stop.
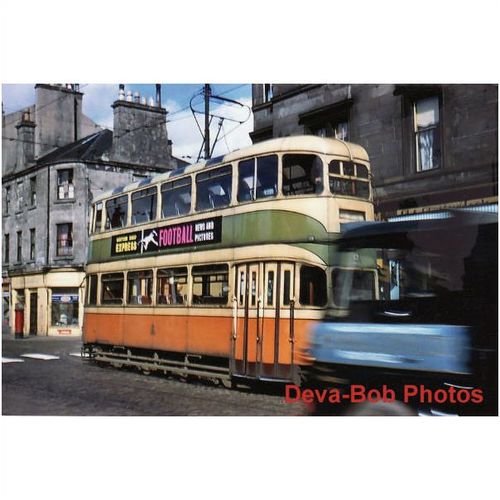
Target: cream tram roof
<point x="301" y="143"/>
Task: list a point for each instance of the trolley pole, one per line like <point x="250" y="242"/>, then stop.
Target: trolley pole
<point x="207" y="93"/>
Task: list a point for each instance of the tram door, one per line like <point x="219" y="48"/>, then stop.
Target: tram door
<point x="263" y="320"/>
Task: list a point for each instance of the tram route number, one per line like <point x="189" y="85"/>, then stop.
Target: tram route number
<point x="193" y="233"/>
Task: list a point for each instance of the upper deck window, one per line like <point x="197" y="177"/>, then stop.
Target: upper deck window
<point x="302" y="174"/>
<point x="258" y="178"/>
<point x="98" y="217"/>
<point x="176" y="197"/>
<point x="116" y="212"/>
<point x="213" y="188"/>
<point x="144" y="205"/>
<point x="349" y="179"/>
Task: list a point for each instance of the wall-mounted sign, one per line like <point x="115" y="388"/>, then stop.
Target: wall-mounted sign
<point x="200" y="232"/>
<point x="64" y="298"/>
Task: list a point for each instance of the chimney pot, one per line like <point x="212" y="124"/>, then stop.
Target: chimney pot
<point x="151" y="102"/>
<point x="137" y="96"/>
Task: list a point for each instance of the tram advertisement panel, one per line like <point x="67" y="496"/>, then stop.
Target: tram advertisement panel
<point x="194" y="233"/>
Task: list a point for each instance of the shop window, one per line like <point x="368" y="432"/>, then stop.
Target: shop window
<point x="139" y="287"/>
<point x="427" y="133"/>
<point x="92" y="289"/>
<point x="258" y="178"/>
<point x="171" y="286"/>
<point x="176" y="197"/>
<point x="116" y="212"/>
<point x="210" y="284"/>
<point x="302" y="174"/>
<point x="65" y="186"/>
<point x="65" y="307"/>
<point x="64" y="239"/>
<point x="144" y="205"/>
<point x="213" y="188"/>
<point x="312" y="286"/>
<point x="112" y="288"/>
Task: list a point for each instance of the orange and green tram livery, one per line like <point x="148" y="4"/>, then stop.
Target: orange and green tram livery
<point x="217" y="269"/>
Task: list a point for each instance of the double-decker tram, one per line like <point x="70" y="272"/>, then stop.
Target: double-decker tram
<point x="217" y="269"/>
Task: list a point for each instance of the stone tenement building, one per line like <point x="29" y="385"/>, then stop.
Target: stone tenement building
<point x="55" y="160"/>
<point x="430" y="146"/>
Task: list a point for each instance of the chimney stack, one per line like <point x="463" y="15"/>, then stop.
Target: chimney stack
<point x="139" y="131"/>
<point x="25" y="153"/>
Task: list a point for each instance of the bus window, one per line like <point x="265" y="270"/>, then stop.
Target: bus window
<point x="352" y="284"/>
<point x="258" y="178"/>
<point x="171" y="286"/>
<point x="302" y="174"/>
<point x="312" y="286"/>
<point x="98" y="217"/>
<point x="144" y="205"/>
<point x="112" y="288"/>
<point x="210" y="284"/>
<point x="92" y="289"/>
<point x="116" y="212"/>
<point x="176" y="197"/>
<point x="139" y="287"/>
<point x="213" y="188"/>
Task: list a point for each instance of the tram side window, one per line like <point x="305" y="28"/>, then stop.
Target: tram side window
<point x="98" y="217"/>
<point x="210" y="284"/>
<point x="112" y="288"/>
<point x="258" y="178"/>
<point x="144" y="205"/>
<point x="171" y="286"/>
<point x="92" y="289"/>
<point x="353" y="181"/>
<point x="176" y="197"/>
<point x="116" y="212"/>
<point x="312" y="286"/>
<point x="302" y="174"/>
<point x="139" y="287"/>
<point x="213" y="188"/>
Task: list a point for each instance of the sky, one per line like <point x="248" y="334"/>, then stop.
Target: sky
<point x="181" y="126"/>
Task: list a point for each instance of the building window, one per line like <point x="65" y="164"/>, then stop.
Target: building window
<point x="6" y="248"/>
<point x="144" y="205"/>
<point x="116" y="212"/>
<point x="32" y="191"/>
<point x="65" y="307"/>
<point x="20" y="198"/>
<point x="19" y="253"/>
<point x="65" y="186"/>
<point x="267" y="91"/>
<point x="64" y="239"/>
<point x="427" y="133"/>
<point x="32" y="244"/>
<point x="7" y="200"/>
